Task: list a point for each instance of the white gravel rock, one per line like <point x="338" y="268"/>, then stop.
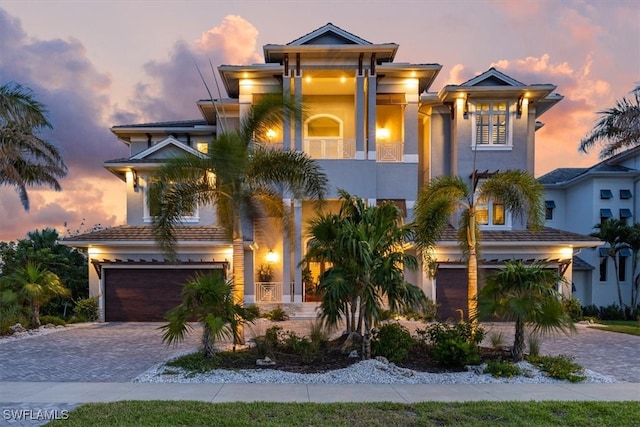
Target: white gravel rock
<point x="364" y="372"/>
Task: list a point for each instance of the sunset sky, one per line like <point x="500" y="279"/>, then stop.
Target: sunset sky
<point x="96" y="64"/>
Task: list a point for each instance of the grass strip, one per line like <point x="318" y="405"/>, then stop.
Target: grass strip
<point x="189" y="413"/>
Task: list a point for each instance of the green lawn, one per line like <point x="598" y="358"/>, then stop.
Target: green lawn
<point x="181" y="413"/>
<point x="631" y="327"/>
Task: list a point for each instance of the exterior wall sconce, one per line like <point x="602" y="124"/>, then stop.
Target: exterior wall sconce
<point x="382" y="133"/>
<point x="271" y="257"/>
<point x="465" y="106"/>
<point x="133" y="176"/>
<point x="271" y="134"/>
<point x="521" y="101"/>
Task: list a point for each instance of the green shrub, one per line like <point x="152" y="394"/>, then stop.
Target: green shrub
<point x="54" y="320"/>
<point x="534" y="342"/>
<point x="86" y="309"/>
<point x="267" y="344"/>
<point x="561" y="367"/>
<point x="253" y="311"/>
<point x="392" y="341"/>
<point x="497" y="339"/>
<point x="502" y="369"/>
<point x="276" y="315"/>
<point x="318" y="334"/>
<point x="573" y="308"/>
<point x="455" y="345"/>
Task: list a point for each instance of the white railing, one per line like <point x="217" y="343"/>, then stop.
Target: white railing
<point x="389" y="151"/>
<point x="268" y="291"/>
<point x="330" y="148"/>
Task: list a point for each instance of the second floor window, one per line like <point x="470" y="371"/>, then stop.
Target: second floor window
<point x="153" y="208"/>
<point x="491" y="123"/>
<point x="490" y="213"/>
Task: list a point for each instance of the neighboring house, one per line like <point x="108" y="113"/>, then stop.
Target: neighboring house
<point x="578" y="199"/>
<point x="377" y="131"/>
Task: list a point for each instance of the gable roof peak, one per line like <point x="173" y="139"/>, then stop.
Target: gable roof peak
<point x="331" y="33"/>
<point x="494" y="76"/>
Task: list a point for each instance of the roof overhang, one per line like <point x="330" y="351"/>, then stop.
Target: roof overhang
<point x="385" y="52"/>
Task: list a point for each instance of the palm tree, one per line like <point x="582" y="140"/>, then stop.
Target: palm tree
<point x="365" y="248"/>
<point x="618" y="129"/>
<point x="527" y="295"/>
<point x="244" y="180"/>
<point x="209" y="300"/>
<point x="614" y="232"/>
<point x="36" y="286"/>
<point x="517" y="190"/>
<point x="26" y="159"/>
<point x="633" y="240"/>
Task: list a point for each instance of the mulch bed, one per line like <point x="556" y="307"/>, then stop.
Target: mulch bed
<point x="331" y="358"/>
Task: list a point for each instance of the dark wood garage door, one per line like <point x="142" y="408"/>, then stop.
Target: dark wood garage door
<point x="143" y="295"/>
<point x="451" y="291"/>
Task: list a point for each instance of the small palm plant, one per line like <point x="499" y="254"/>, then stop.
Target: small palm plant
<point x="525" y="294"/>
<point x="207" y="299"/>
<point x="36" y="286"/>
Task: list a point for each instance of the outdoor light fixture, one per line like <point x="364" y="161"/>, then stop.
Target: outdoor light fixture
<point x="271" y="134"/>
<point x="382" y="133"/>
<point x="465" y="105"/>
<point x="521" y="101"/>
<point x="271" y="257"/>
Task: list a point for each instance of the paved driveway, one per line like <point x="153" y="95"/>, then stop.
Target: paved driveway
<point x="97" y="352"/>
<point x="607" y="353"/>
<point x="118" y="352"/>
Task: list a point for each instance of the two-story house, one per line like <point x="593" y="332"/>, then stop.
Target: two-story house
<point x="378" y="132"/>
<point x="578" y="199"/>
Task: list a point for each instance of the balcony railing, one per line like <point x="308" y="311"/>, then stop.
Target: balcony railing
<point x="389" y="151"/>
<point x="268" y="291"/>
<point x="330" y="148"/>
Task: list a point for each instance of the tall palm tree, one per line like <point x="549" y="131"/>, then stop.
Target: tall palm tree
<point x="209" y="300"/>
<point x="618" y="129"/>
<point x="26" y="159"/>
<point x="365" y="246"/>
<point x="633" y="240"/>
<point x="518" y="190"/>
<point x="242" y="178"/>
<point x="525" y="294"/>
<point x="36" y="286"/>
<point x="614" y="232"/>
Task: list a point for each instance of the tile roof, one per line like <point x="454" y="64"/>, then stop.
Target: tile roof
<point x="145" y="233"/>
<point x="545" y="235"/>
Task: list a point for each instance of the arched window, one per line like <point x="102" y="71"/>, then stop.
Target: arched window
<point x="323" y="137"/>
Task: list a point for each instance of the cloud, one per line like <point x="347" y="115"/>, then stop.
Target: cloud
<point x="174" y="85"/>
<point x="77" y="96"/>
<point x="571" y="118"/>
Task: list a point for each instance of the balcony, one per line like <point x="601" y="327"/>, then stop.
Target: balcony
<point x="268" y="291"/>
<point x="389" y="151"/>
<point x="330" y="148"/>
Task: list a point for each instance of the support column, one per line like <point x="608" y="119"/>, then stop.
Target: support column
<point x="286" y="120"/>
<point x="411" y="132"/>
<point x="297" y="250"/>
<point x="361" y="147"/>
<point x="286" y="258"/>
<point x="371" y="110"/>
<point x="297" y="81"/>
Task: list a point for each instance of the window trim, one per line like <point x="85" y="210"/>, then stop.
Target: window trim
<point x="510" y="117"/>
<point x="147" y="211"/>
